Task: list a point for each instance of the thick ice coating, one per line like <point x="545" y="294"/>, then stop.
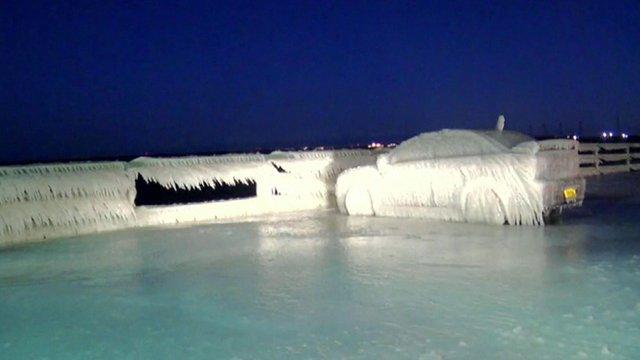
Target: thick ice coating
<point x="465" y="175"/>
<point x="454" y="143"/>
<point x="40" y="201"/>
<point x="51" y="200"/>
<point x="294" y="173"/>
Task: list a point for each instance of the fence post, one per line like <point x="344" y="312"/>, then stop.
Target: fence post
<point x="596" y="153"/>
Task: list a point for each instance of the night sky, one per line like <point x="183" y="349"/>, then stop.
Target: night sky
<point x="104" y="79"/>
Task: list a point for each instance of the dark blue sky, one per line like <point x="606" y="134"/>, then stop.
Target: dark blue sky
<point x="124" y="78"/>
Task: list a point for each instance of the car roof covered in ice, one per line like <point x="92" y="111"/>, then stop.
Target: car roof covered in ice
<point x="451" y="143"/>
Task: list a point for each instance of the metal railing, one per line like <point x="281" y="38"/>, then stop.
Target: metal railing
<point x="607" y="158"/>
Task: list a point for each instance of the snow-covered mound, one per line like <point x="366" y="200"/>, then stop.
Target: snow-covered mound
<point x="465" y="175"/>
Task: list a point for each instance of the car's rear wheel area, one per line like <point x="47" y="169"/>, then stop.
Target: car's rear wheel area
<point x="484" y="206"/>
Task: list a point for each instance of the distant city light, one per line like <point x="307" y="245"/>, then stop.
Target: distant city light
<point x="604" y="135"/>
<point x="375" y="145"/>
<point x="610" y="134"/>
<point x="575" y="137"/>
<point x="624" y="136"/>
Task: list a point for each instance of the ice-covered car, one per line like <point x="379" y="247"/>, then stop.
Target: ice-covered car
<point x="500" y="177"/>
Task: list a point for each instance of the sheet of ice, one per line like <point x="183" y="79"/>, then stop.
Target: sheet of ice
<point x="330" y="286"/>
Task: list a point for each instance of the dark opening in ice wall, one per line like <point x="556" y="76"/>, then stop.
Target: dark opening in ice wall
<point x="149" y="192"/>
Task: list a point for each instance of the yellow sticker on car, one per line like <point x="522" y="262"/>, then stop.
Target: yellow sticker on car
<point x="570" y="194"/>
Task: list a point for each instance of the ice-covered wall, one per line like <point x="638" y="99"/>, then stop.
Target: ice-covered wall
<point x="40" y="201"/>
<point x="44" y="201"/>
<point x="306" y="177"/>
<point x="285" y="181"/>
<point x="311" y="174"/>
<point x="193" y="171"/>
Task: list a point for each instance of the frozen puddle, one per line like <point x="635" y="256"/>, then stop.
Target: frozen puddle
<point x="323" y="285"/>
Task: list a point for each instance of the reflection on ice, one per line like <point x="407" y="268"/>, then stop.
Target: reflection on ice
<point x="444" y="244"/>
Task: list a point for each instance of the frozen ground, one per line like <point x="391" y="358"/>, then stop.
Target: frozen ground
<point x="327" y="286"/>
